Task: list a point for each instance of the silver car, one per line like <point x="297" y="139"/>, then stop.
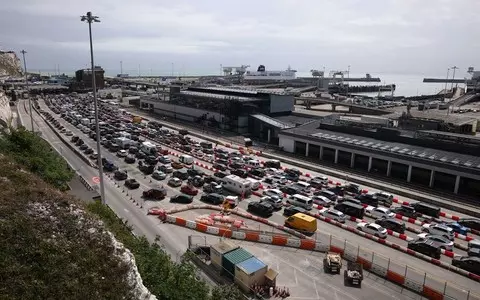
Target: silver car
<point x="442" y="241"/>
<point x="334" y="215"/>
<point x="275" y="201"/>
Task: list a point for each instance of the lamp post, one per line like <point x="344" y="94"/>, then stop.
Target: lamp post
<point x="453" y="77"/>
<point x="445" y="90"/>
<point x="89" y="18"/>
<point x="348" y="76"/>
<point x="28" y="88"/>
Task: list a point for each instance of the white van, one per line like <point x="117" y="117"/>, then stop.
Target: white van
<point x="304" y="186"/>
<point x="253" y="163"/>
<point x="186" y="159"/>
<point x="301" y="201"/>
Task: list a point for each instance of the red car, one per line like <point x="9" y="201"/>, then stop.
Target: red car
<point x="189" y="190"/>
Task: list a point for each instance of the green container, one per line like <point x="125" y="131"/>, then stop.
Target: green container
<point x="232" y="258"/>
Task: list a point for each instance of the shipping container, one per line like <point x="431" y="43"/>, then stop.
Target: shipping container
<point x="232" y="258"/>
<point x="217" y="252"/>
<point x="249" y="272"/>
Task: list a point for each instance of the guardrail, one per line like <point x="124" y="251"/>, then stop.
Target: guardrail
<point x="403" y="275"/>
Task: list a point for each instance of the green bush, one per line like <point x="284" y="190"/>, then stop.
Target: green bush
<point x="37" y="156"/>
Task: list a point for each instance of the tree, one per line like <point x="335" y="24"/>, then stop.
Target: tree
<point x="226" y="292"/>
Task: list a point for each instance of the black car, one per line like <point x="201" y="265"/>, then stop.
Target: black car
<point x="155" y="193"/>
<point x="140" y="155"/>
<point x="79" y="142"/>
<point x="289" y="190"/>
<point x="260" y="208"/>
<point x="209" y="179"/>
<point x="132" y="183"/>
<point x="145" y="168"/>
<point x="426" y="247"/>
<point x="219" y="167"/>
<point x="181" y="198"/>
<point x="235" y="166"/>
<point x="213" y="198"/>
<point x="291" y="210"/>
<point x="196" y="181"/>
<point x="74" y="139"/>
<point x="88" y="151"/>
<point x="392" y="224"/>
<point x="83" y="147"/>
<point x="195" y="172"/>
<point x="130" y="159"/>
<point x="470" y="223"/>
<point x="132" y="150"/>
<point x="468" y="263"/>
<point x="219" y="175"/>
<point x="258" y="172"/>
<point x="407" y="211"/>
<point x="240" y="173"/>
<point x="212" y="187"/>
<point x="368" y="199"/>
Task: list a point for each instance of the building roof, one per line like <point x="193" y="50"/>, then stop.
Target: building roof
<point x="273" y="122"/>
<point x="219" y="96"/>
<point x="224" y="247"/>
<point x="407" y="151"/>
<point x="434" y="114"/>
<point x="237" y="256"/>
<point x="251" y="265"/>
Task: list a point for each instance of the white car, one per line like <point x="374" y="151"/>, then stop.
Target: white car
<point x="276" y="202"/>
<point x="334" y="215"/>
<point x="209" y="157"/>
<point x="439" y="229"/>
<point x="373" y="229"/>
<point x="321" y="178"/>
<point x="273" y="193"/>
<point x="380" y="212"/>
<point x="443" y="242"/>
<point x="322" y="200"/>
<point x="272" y="171"/>
<point x="122" y="153"/>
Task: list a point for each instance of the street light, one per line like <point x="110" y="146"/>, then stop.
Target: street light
<point x="89" y="18"/>
<point x="28" y="88"/>
<point x="453" y="77"/>
<point x="445" y="90"/>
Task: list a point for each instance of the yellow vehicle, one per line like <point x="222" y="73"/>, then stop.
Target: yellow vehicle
<point x="302" y="222"/>
<point x="137" y="120"/>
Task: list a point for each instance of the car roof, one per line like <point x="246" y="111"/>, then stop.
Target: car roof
<point x="375" y="225"/>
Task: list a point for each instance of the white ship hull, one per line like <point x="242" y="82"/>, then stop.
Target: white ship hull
<point x="269" y="75"/>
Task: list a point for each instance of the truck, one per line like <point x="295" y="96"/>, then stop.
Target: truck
<point x="237" y="185"/>
<point x="148" y="148"/>
<point x="332" y="263"/>
<point x="353" y="275"/>
<point x="123" y="142"/>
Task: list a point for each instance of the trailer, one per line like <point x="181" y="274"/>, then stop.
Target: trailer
<point x="353" y="275"/>
<point x="237" y="185"/>
<point x="332" y="263"/>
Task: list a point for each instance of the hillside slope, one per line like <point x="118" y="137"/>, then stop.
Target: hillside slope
<point x="50" y="248"/>
<point x="10" y="64"/>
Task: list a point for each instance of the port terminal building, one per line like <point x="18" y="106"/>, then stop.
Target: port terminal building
<point x="238" y="110"/>
<point x="432" y="159"/>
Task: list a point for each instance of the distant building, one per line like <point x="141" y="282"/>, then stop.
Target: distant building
<point x="84" y="78"/>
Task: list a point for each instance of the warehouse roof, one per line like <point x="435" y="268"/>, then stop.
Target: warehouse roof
<point x="370" y="144"/>
<point x="219" y="96"/>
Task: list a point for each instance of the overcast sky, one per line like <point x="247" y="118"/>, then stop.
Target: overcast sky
<point x="376" y="36"/>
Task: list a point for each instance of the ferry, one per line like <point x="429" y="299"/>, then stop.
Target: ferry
<point x="263" y="75"/>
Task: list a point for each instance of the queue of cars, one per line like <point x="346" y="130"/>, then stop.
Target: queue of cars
<point x="285" y="185"/>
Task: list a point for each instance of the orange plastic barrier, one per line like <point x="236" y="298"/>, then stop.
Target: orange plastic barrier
<point x="279" y="240"/>
<point x="431" y="293"/>
<point x="307" y="244"/>
<point x="395" y="277"/>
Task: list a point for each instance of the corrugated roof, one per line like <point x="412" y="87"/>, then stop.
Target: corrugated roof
<point x="218" y="96"/>
<point x="237" y="256"/>
<point x="273" y="122"/>
<point x="251" y="265"/>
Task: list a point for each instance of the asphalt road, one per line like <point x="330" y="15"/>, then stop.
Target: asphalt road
<point x="303" y="284"/>
<point x="382" y="253"/>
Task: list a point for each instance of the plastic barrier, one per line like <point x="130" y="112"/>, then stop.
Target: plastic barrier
<point x="405" y="276"/>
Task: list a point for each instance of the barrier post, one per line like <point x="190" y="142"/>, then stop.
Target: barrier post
<point x="425" y="278"/>
<point x="388" y="265"/>
<point x="345" y="246"/>
<point x="358" y="252"/>
<point x="373" y="256"/>
<point x="330" y="240"/>
<point x="468" y="295"/>
<point x="406" y="269"/>
<point x="445" y="288"/>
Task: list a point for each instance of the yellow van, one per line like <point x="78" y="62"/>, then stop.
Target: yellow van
<point x="302" y="222"/>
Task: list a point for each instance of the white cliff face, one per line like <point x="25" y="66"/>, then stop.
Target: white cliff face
<point x="5" y="110"/>
<point x="10" y="64"/>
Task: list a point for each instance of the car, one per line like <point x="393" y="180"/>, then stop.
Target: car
<point x="130" y="159"/>
<point x="219" y="176"/>
<point x="120" y="175"/>
<point x="189" y="190"/>
<point x="322" y="201"/>
<point x="132" y="183"/>
<point x="146" y="168"/>
<point x="442" y="241"/>
<point x="213" y="198"/>
<point x="165" y="169"/>
<point x="260" y="208"/>
<point x="439" y="229"/>
<point x="327" y="194"/>
<point x="291" y="210"/>
<point x="368" y="199"/>
<point x="384" y="198"/>
<point x="456" y="227"/>
<point x="68" y="133"/>
<point x="392" y="224"/>
<point x="380" y="212"/>
<point x="334" y="215"/>
<point x="407" y="211"/>
<point x="74" y="139"/>
<point x="88" y="151"/>
<point x="212" y="187"/>
<point x="164" y="159"/>
<point x="373" y="229"/>
<point x="155" y="193"/>
<point x="151" y="160"/>
<point x="468" y="263"/>
<point x="159" y="175"/>
<point x="257" y="172"/>
<point x="140" y="155"/>
<point x="220" y="167"/>
<point x="196" y="181"/>
<point x="94" y="156"/>
<point x="195" y="172"/>
<point x="83" y="147"/>
<point x="176" y="165"/>
<point x="132" y="150"/>
<point x="276" y="202"/>
<point x="425" y="247"/>
<point x="273" y="193"/>
<point x="471" y="223"/>
<point x="174" y="182"/>
<point x="181" y="198"/>
<point x="240" y="173"/>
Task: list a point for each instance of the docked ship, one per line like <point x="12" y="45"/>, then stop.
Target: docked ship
<point x="263" y="75"/>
